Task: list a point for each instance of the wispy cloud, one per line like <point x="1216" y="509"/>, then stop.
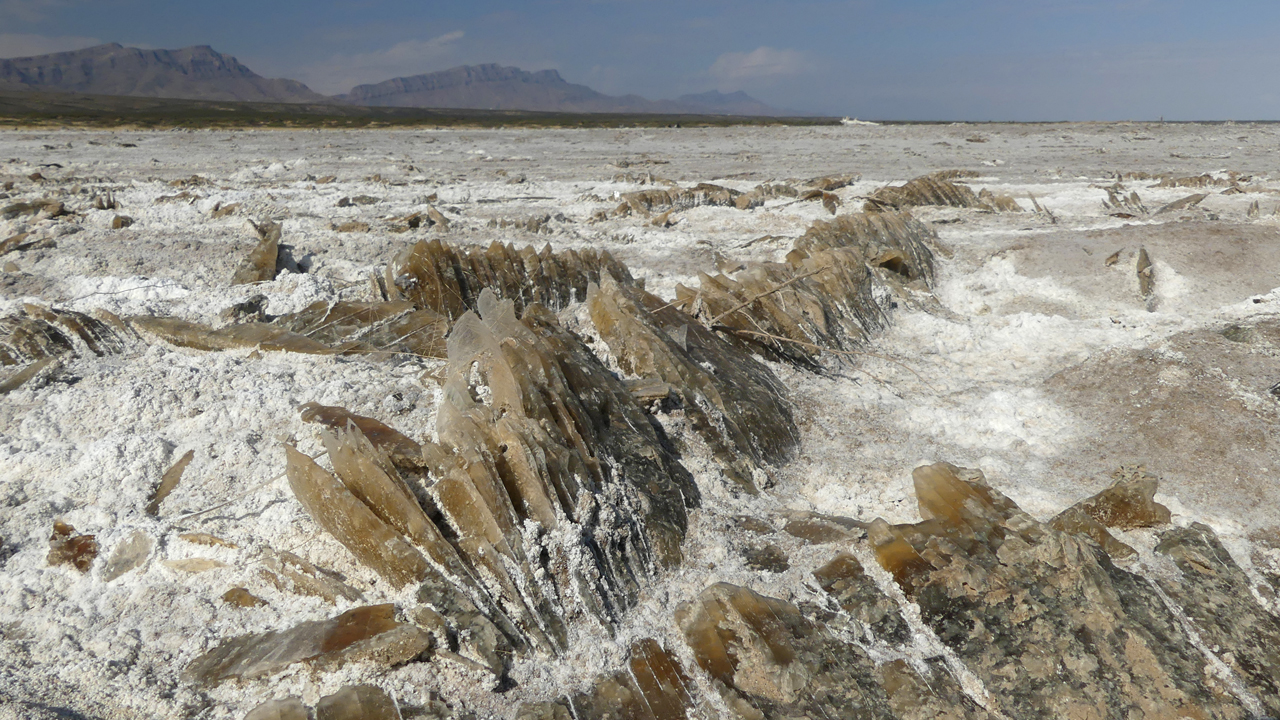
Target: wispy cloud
<point x="30" y="10"/>
<point x="14" y="45"/>
<point x="762" y="66"/>
<point x="340" y="73"/>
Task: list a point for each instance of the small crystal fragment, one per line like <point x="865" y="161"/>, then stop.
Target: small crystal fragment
<point x="127" y="555"/>
<point x="167" y="483"/>
<point x="357" y="702"/>
<point x="290" y="573"/>
<point x="260" y="265"/>
<point x="769" y="558"/>
<point x="207" y="539"/>
<point x="240" y="597"/>
<point x="195" y="565"/>
<point x="19" y="377"/>
<point x="820" y="529"/>
<point x="65" y="547"/>
<point x="290" y="708"/>
<point x="202" y="337"/>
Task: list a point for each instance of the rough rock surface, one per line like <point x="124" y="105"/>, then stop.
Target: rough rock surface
<point x="1048" y="623"/>
<point x="737" y="404"/>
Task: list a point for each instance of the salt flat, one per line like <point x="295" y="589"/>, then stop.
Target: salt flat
<point x="1034" y="358"/>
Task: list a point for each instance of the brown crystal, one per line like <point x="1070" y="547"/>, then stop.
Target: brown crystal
<point x="792" y="311"/>
<point x="364" y="633"/>
<point x="770" y="661"/>
<point x="168" y="482"/>
<point x="1129" y="503"/>
<point x="925" y="190"/>
<point x="65" y="547"/>
<point x="449" y="279"/>
<point x="357" y="702"/>
<point x="352" y="523"/>
<point x="244" y="335"/>
<point x="735" y="402"/>
<point x="290" y="708"/>
<point x="872" y="234"/>
<point x="240" y="597"/>
<point x="403" y="451"/>
<point x="260" y="265"/>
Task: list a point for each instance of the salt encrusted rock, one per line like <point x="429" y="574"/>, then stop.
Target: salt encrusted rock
<point x="552" y="493"/>
<point x="555" y="439"/>
<point x="768" y="661"/>
<point x="245" y="335"/>
<point x="261" y="264"/>
<point x="934" y="696"/>
<point x="792" y="311"/>
<point x="39" y="333"/>
<point x="1215" y="593"/>
<point x="736" y="403"/>
<point x="645" y="202"/>
<point x="895" y="241"/>
<point x="1045" y="620"/>
<point x="1128" y="503"/>
<point x="766" y="558"/>
<point x="449" y="279"/>
<point x="875" y="615"/>
<point x="652" y="687"/>
<point x="820" y="529"/>
<point x="369" y="633"/>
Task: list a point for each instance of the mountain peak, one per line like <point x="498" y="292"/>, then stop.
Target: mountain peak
<point x="198" y="73"/>
<point x="498" y="87"/>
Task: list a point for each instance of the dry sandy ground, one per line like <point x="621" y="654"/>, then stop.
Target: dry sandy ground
<point x="1038" y="361"/>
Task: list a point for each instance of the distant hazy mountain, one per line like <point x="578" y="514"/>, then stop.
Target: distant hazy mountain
<point x="494" y="87"/>
<point x="197" y="73"/>
<point x="202" y="73"/>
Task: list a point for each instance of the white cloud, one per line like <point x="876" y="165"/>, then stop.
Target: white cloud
<point x="340" y="73"/>
<point x="762" y="66"/>
<point x="13" y="45"/>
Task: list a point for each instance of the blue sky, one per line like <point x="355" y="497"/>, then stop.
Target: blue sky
<point x="910" y="59"/>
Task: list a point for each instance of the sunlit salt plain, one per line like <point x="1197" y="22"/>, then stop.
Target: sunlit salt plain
<point x="1035" y="359"/>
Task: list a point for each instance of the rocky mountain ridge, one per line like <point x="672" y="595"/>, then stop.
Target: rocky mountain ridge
<point x="496" y="87"/>
<point x="202" y="73"/>
<point x="196" y="73"/>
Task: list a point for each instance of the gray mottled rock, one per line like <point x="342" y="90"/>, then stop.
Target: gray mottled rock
<point x="1214" y="593"/>
<point x="1041" y="616"/>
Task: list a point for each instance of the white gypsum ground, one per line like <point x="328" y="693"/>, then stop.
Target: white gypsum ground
<point x="1038" y="362"/>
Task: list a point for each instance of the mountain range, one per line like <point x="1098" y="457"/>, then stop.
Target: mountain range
<point x="202" y="73"/>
